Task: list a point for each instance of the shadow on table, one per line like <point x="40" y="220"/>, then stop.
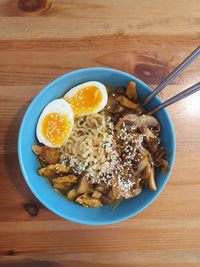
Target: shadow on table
<point x="32" y="264"/>
<point x="11" y="157"/>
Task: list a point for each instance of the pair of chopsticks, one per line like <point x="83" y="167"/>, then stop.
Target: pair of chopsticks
<point x="191" y="90"/>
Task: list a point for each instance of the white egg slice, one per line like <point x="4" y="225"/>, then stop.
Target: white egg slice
<point x="87" y="98"/>
<point x="55" y="123"/>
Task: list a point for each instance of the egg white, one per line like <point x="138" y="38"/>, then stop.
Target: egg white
<point x="61" y="107"/>
<point x="99" y="85"/>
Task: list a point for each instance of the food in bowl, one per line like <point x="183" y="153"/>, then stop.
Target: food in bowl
<point x="98" y="147"/>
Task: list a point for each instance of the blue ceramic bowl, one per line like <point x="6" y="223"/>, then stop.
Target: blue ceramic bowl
<point x="43" y="190"/>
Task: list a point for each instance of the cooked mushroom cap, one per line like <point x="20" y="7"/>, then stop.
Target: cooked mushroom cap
<point x="130" y="119"/>
<point x="113" y="104"/>
<point x="148" y="121"/>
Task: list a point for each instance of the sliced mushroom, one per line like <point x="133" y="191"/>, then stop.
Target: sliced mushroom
<point x="146" y="172"/>
<point x="142" y="165"/>
<point x="83" y="185"/>
<point x="126" y="102"/>
<point x="151" y="180"/>
<point x="150" y="122"/>
<point x="143" y="151"/>
<point x="149" y="177"/>
<point x="130" y="119"/>
<point x="47" y="154"/>
<point x="113" y="104"/>
<point x="131" y="91"/>
<point x="151" y="161"/>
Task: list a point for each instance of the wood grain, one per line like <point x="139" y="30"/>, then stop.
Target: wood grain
<point x="148" y="39"/>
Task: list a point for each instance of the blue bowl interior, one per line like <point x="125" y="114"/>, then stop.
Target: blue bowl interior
<point x="40" y="186"/>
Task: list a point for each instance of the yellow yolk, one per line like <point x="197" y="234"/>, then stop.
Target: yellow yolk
<point x="86" y="100"/>
<point x="55" y="128"/>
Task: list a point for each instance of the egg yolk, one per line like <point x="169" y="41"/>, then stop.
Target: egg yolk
<point x="55" y="128"/>
<point x="86" y="100"/>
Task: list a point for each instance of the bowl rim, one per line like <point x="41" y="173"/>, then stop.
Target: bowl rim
<point x="41" y="199"/>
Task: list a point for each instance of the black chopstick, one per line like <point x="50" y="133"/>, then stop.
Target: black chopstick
<point x="173" y="74"/>
<point x="191" y="90"/>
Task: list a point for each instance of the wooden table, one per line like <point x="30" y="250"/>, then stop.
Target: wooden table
<point x="40" y="40"/>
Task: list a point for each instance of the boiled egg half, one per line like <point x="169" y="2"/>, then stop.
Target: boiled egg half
<point x="55" y="123"/>
<point x="87" y="98"/>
